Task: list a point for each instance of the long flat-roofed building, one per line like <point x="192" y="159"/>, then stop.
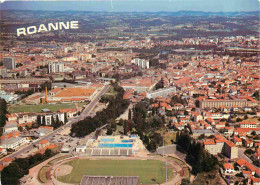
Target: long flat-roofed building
<point x="107" y="180"/>
<point x="13" y="84"/>
<point x="217" y="103"/>
<point x="161" y="92"/>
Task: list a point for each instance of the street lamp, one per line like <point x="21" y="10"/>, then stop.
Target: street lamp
<point x="165" y="161"/>
<point x="55" y="172"/>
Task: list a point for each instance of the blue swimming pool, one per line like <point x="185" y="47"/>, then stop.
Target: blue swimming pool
<point x="116" y="145"/>
<point x="107" y="140"/>
<point x="127" y="141"/>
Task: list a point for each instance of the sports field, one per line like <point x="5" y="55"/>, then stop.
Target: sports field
<point x="149" y="171"/>
<point x="39" y="107"/>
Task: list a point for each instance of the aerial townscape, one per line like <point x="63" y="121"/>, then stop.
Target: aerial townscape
<point x="129" y="97"/>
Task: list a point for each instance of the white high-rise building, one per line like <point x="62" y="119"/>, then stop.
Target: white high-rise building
<point x="56" y="67"/>
<point x="9" y="62"/>
<point x="144" y="64"/>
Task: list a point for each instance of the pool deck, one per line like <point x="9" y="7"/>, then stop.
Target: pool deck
<point x="115" y="142"/>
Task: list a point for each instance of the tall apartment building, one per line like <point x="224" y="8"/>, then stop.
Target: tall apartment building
<point x="217" y="103"/>
<point x="224" y="146"/>
<point x="144" y="64"/>
<point x="9" y="62"/>
<point x="55" y="67"/>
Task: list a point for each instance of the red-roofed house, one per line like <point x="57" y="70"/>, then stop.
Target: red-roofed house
<point x="229" y="168"/>
<point x="237" y="141"/>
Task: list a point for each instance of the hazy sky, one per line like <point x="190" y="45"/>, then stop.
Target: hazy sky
<point x="136" y="5"/>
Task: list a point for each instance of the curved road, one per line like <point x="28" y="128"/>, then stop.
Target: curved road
<point x="84" y="114"/>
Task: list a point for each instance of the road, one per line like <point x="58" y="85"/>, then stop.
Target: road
<point x="83" y="115"/>
<point x="242" y="155"/>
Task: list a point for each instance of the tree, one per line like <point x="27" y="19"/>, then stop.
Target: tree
<point x="53" y="123"/>
<point x="38" y="121"/>
<point x="185" y="181"/>
<point x="129" y="114"/>
<point x="202" y="136"/>
<point x="20" y="129"/>
<point x="43" y="121"/>
<point x="109" y="131"/>
<point x="47" y="84"/>
<point x="160" y="84"/>
<point x="83" y="69"/>
<point x="65" y="118"/>
<point x="253" y="133"/>
<point x="11" y="174"/>
<point x="48" y="153"/>
<point x="3" y="112"/>
<point x="126" y="127"/>
<point x="27" y="127"/>
<point x="256" y="95"/>
<point x="197" y="103"/>
<point x="57" y="120"/>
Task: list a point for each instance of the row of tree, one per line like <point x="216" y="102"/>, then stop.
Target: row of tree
<point x="3" y="112"/>
<point x="20" y="167"/>
<point x="197" y="157"/>
<point x="115" y="108"/>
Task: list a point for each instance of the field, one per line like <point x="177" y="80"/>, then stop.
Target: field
<point x="39" y="107"/>
<point x="148" y="171"/>
<point x="169" y="138"/>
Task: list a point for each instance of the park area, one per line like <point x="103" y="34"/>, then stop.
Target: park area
<point x="39" y="107"/>
<point x="149" y="171"/>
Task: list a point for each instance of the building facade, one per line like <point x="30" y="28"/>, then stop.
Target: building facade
<point x="55" y="67"/>
<point x="217" y="103"/>
<point x="9" y="63"/>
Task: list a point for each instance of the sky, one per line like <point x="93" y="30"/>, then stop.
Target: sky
<point x="135" y="5"/>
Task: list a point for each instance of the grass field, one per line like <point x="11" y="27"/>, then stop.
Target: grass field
<point x="169" y="137"/>
<point x="39" y="107"/>
<point x="147" y="170"/>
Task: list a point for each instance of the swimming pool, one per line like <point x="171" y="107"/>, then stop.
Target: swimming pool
<point x="116" y="145"/>
<point x="127" y="141"/>
<point x="107" y="140"/>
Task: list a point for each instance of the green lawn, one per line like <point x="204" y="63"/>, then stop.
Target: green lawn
<point x="147" y="170"/>
<point x="39" y="107"/>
